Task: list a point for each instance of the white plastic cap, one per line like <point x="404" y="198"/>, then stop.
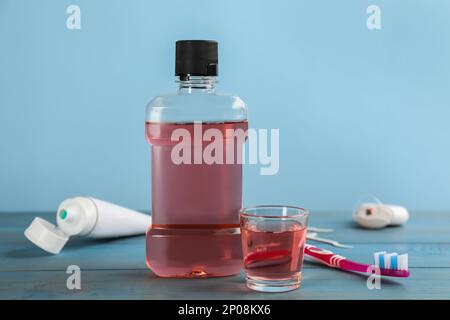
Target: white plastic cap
<point x="377" y="216"/>
<point x="46" y="235"/>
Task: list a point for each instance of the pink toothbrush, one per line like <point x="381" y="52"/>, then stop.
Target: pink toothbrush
<point x="390" y="264"/>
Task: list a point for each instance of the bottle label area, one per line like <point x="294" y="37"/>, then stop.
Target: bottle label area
<point x="195" y="207"/>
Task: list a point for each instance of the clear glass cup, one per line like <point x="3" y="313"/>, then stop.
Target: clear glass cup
<point x="273" y="241"/>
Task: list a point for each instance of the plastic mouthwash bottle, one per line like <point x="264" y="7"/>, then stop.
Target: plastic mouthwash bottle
<point x="196" y="137"/>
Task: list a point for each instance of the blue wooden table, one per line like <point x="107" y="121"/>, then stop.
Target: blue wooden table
<point x="116" y="268"/>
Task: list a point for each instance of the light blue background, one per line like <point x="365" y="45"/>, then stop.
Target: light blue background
<point x="359" y="111"/>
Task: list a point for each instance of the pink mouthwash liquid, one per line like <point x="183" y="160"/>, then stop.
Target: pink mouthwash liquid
<point x="195" y="207"/>
<point x="273" y="255"/>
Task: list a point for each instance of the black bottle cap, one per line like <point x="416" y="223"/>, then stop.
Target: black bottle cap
<point x="196" y="58"/>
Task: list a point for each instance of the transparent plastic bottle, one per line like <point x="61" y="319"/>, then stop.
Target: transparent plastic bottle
<point x="195" y="206"/>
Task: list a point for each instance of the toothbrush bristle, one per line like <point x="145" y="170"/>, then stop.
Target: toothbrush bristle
<point x="403" y="261"/>
<point x="394" y="261"/>
<point x="391" y="261"/>
<point x="379" y="258"/>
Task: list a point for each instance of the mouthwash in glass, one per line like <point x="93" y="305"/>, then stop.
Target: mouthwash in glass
<point x="195" y="204"/>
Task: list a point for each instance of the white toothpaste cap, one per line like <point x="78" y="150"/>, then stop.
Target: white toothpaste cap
<point x="46" y="235"/>
<point x="75" y="216"/>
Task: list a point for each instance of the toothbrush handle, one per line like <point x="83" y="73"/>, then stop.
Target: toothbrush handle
<point x="333" y="260"/>
<point x="336" y="261"/>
